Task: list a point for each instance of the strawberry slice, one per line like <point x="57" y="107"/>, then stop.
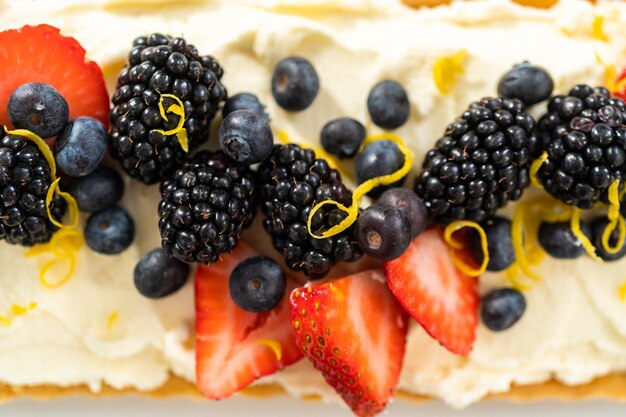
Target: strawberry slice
<point x="235" y="347"/>
<point x="354" y="332"/>
<point x="435" y="293"/>
<point x="41" y="54"/>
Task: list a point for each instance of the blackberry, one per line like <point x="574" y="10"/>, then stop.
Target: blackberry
<point x="480" y="163"/>
<point x="205" y="207"/>
<point x="24" y="183"/>
<point x="584" y="134"/>
<point x="292" y="181"/>
<point x="157" y="65"/>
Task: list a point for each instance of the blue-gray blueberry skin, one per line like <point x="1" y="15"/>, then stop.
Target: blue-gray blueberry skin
<point x="157" y="276"/>
<point x="560" y="242"/>
<point x="388" y="104"/>
<point x="526" y="82"/>
<point x="597" y="230"/>
<point x="97" y="191"/>
<point x="379" y="158"/>
<point x="502" y="308"/>
<point x="81" y="147"/>
<point x="383" y="232"/>
<point x="410" y="205"/>
<point x="342" y="137"/>
<point x="245" y="137"/>
<point x="40" y="108"/>
<point x="110" y="231"/>
<point x="245" y="101"/>
<point x="295" y="83"/>
<point x="499" y="244"/>
<point x="257" y="284"/>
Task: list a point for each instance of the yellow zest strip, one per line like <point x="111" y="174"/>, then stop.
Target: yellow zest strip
<point x="615" y="221"/>
<point x="447" y="70"/>
<point x="448" y="233"/>
<point x="112" y="319"/>
<point x="64" y="245"/>
<point x="336" y="291"/>
<point x="19" y="310"/>
<point x="611" y="78"/>
<point x="274" y="345"/>
<point x="47" y="153"/>
<point x="364" y="188"/>
<point x="534" y="169"/>
<point x="587" y="245"/>
<point x="5" y="321"/>
<point x="621" y="291"/>
<point x="179" y="110"/>
<point x="598" y="29"/>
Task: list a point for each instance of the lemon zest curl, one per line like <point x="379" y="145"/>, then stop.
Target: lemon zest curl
<point x="179" y="110"/>
<point x="274" y="345"/>
<point x="448" y="235"/>
<point x="616" y="221"/>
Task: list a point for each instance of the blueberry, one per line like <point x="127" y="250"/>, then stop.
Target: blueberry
<point x="245" y="101"/>
<point x="342" y="137"/>
<point x="597" y="229"/>
<point x="97" y="191"/>
<point x="39" y="108"/>
<point x="410" y="205"/>
<point x="526" y="82"/>
<point x="381" y="157"/>
<point x="246" y="137"/>
<point x="388" y="104"/>
<point x="295" y="83"/>
<point x="257" y="284"/>
<point x="499" y="244"/>
<point x="110" y="231"/>
<point x="156" y="275"/>
<point x="560" y="242"/>
<point x="81" y="147"/>
<point x="502" y="308"/>
<point x="383" y="232"/>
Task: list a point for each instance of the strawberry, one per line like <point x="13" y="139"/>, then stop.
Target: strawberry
<point x="41" y="54"/>
<point x="435" y="293"/>
<point x="235" y="347"/>
<point x="354" y="332"/>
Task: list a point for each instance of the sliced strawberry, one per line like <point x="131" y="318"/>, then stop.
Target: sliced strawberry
<point x="42" y="54"/>
<point x="435" y="293"/>
<point x="235" y="347"/>
<point x="354" y="332"/>
<point x="620" y="86"/>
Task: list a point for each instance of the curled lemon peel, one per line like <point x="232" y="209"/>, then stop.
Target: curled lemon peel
<point x="364" y="188"/>
<point x="179" y="110"/>
<point x="584" y="240"/>
<point x="448" y="235"/>
<point x="597" y="29"/>
<point x="616" y="221"/>
<point x="112" y="319"/>
<point x="274" y="345"/>
<point x="621" y="291"/>
<point x="447" y="70"/>
<point x="20" y="310"/>
<point x="534" y="169"/>
<point x="64" y="245"/>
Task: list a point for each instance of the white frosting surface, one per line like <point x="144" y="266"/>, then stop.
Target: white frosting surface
<point x="573" y="329"/>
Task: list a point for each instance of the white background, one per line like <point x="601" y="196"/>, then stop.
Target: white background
<point x="290" y="407"/>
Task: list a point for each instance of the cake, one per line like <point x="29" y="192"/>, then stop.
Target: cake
<point x="96" y="333"/>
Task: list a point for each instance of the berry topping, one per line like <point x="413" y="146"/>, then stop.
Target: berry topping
<point x="480" y="164"/>
<point x="383" y="232"/>
<point x="246" y="137"/>
<point x="165" y="100"/>
<point x="110" y="231"/>
<point x="526" y="82"/>
<point x="388" y="104"/>
<point x="234" y="347"/>
<point x="25" y="179"/>
<point x="81" y="147"/>
<point x="585" y="138"/>
<point x="295" y="83"/>
<point x="205" y="207"/>
<point x="559" y="240"/>
<point x="410" y="205"/>
<point x="40" y="54"/>
<point x="245" y="101"/>
<point x="499" y="244"/>
<point x="39" y="108"/>
<point x="354" y="332"/>
<point x="435" y="293"/>
<point x="292" y="181"/>
<point x="97" y="191"/>
<point x="257" y="284"/>
<point x="597" y="229"/>
<point x="157" y="275"/>
<point x="502" y="308"/>
<point x="342" y="137"/>
<point x="379" y="158"/>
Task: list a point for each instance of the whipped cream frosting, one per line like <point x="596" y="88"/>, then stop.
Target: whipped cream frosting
<point x="97" y="329"/>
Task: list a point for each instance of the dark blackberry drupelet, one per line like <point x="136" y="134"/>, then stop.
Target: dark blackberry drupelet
<point x="292" y="181"/>
<point x="24" y="183"/>
<point x="480" y="163"/>
<point x="584" y="134"/>
<point x="159" y="64"/>
<point x="205" y="207"/>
